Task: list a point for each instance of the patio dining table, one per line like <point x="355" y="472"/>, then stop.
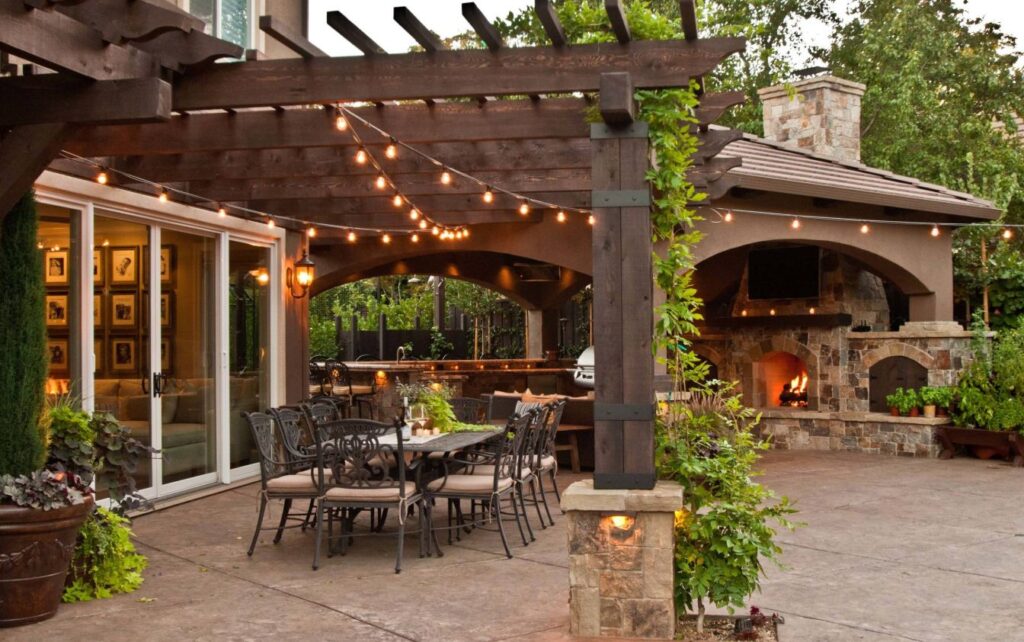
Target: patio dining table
<point x="444" y="443"/>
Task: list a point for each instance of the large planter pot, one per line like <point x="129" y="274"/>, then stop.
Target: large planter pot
<point x="35" y="551"/>
<point x="985" y="443"/>
<point x="929" y="411"/>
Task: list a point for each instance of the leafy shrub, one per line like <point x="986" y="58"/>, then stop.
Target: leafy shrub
<point x="71" y="441"/>
<point x="105" y="561"/>
<point x="42" y="489"/>
<point x="903" y="400"/>
<point x="989" y="393"/>
<point x="118" y="456"/>
<point x="725" y="530"/>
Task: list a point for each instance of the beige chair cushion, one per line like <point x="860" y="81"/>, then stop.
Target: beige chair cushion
<point x="292" y="484"/>
<point x="106" y="387"/>
<point x="548" y="461"/>
<point x="370" y="494"/>
<point x="359" y="389"/>
<point x="488" y="470"/>
<point x="474" y="484"/>
<point x="532" y="398"/>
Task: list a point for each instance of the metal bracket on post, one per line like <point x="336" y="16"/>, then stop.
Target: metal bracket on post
<point x="624" y="411"/>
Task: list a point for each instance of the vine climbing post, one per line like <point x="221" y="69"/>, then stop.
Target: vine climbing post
<point x="623" y="282"/>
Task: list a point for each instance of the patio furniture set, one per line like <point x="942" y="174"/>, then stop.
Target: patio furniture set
<point x="342" y="467"/>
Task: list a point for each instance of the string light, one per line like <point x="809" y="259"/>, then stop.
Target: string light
<point x="381" y="182"/>
<point x="1007" y="234"/>
<point x="524" y="208"/>
<point x="340" y="123"/>
<point x="415" y="238"/>
<point x="728" y="217"/>
<point x="465" y="233"/>
<point x="813" y="311"/>
<point x="435" y="231"/>
<point x="864" y="229"/>
<point x="397" y="201"/>
<point x="795" y="224"/>
<point x="270" y="223"/>
<point x="414" y="214"/>
<point x="102" y="178"/>
<point x="163" y="196"/>
<point x="391" y="151"/>
<point x="488" y="196"/>
<point x="590" y="220"/>
<point x="311" y="232"/>
<point x="361" y="156"/>
<point x="221" y="212"/>
<point x="560" y="217"/>
<point x="458" y="235"/>
<point x="351" y="237"/>
<point x="935" y="230"/>
<point x="423" y="223"/>
<point x="385" y="239"/>
<point x="446" y="177"/>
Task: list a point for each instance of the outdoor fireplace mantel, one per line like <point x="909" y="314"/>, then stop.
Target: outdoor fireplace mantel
<point x="784" y="321"/>
<point x="851" y="416"/>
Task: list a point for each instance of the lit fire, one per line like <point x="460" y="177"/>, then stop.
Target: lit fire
<point x="57" y="386"/>
<point x="794" y="393"/>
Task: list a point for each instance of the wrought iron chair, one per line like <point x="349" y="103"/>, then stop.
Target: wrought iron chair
<point x="278" y="479"/>
<point x="469" y="410"/>
<point x="360" y="459"/>
<point x="358" y="396"/>
<point x="505" y="453"/>
<point x="319" y="411"/>
<point x="547" y="462"/>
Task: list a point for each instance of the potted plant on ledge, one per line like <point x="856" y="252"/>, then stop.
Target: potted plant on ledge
<point x="903" y="403"/>
<point x="41" y="510"/>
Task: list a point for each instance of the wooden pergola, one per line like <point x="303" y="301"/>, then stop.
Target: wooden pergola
<point x="135" y="90"/>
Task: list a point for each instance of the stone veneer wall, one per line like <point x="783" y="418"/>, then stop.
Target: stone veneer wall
<point x="819" y="114"/>
<point x="865" y="432"/>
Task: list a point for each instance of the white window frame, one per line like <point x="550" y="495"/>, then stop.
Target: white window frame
<point x="256" y="9"/>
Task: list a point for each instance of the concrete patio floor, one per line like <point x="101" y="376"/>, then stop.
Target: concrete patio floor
<point x="894" y="549"/>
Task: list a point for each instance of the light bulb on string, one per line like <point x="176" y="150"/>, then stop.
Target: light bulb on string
<point x="465" y="233"/>
<point x="435" y="231"/>
<point x="351" y="237"/>
<point x="414" y="214"/>
<point x="524" y="208"/>
<point x="935" y="230"/>
<point x="391" y="151"/>
<point x="311" y="232"/>
<point x="361" y="156"/>
<point x="340" y="123"/>
<point x="396" y="200"/>
<point x="560" y="217"/>
<point x="381" y="182"/>
<point x="222" y="212"/>
<point x="423" y="223"/>
<point x="163" y="196"/>
<point x="446" y="177"/>
<point x="728" y="217"/>
<point x="458" y="235"/>
<point x="590" y="220"/>
<point x="102" y="178"/>
<point x="415" y="238"/>
<point x="1007" y="234"/>
<point x="270" y="223"/>
<point x="488" y="195"/>
<point x="795" y="224"/>
<point x="385" y="239"/>
<point x="864" y="229"/>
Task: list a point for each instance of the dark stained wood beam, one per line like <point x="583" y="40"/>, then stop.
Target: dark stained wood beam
<point x="551" y="181"/>
<point x="24" y="154"/>
<point x="482" y="26"/>
<point x="489" y="156"/>
<point x="55" y="98"/>
<point x="436" y="204"/>
<point x="617" y="16"/>
<point x="507" y="71"/>
<point x="616" y="99"/>
<point x="712" y="106"/>
<point x="61" y="43"/>
<point x="349" y="31"/>
<point x="398" y="221"/>
<point x="419" y="32"/>
<point x="688" y="16"/>
<point x="549" y="20"/>
<point x="122" y="21"/>
<point x="414" y="124"/>
<point x="289" y="37"/>
<point x="179" y="51"/>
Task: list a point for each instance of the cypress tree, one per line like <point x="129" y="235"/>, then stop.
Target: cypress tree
<point x="23" y="363"/>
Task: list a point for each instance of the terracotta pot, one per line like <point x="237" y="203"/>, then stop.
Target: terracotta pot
<point x="915" y="412"/>
<point x="894" y="411"/>
<point x="982" y="452"/>
<point x="941" y="412"/>
<point x="929" y="411"/>
<point x="35" y="551"/>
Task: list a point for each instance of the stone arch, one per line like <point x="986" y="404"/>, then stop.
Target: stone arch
<point x="898" y="349"/>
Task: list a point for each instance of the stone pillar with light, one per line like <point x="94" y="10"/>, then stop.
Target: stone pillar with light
<point x="621" y="560"/>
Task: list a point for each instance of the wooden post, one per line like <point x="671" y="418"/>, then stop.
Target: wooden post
<point x="984" y="271"/>
<point x="623" y="289"/>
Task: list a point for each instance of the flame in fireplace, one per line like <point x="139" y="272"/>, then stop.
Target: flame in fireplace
<point x="799" y="383"/>
<point x="794" y="393"/>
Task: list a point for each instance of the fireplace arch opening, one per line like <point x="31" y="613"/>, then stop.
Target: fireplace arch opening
<point x="782" y="380"/>
<point x="891" y="373"/>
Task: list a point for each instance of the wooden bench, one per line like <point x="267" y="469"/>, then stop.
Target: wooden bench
<point x="573" y="447"/>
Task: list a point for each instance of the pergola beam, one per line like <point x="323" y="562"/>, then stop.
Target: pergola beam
<point x="24" y="154"/>
<point x="617" y="16"/>
<point x="482" y="26"/>
<point x="688" y="16"/>
<point x="498" y="120"/>
<point x="122" y="21"/>
<point x="435" y="204"/>
<point x="549" y="20"/>
<point x="55" y="98"/>
<point x="61" y="43"/>
<point x="349" y="31"/>
<point x="419" y="32"/>
<point x="652" y="64"/>
<point x="290" y="37"/>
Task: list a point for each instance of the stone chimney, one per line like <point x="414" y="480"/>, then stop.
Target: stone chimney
<point x="819" y="114"/>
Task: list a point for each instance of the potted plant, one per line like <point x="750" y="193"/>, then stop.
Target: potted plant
<point x="903" y="402"/>
<point x="943" y="400"/>
<point x="930" y="398"/>
<point x="41" y="510"/>
<point x="894" y="400"/>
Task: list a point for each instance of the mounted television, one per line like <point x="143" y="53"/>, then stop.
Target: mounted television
<point x="783" y="273"/>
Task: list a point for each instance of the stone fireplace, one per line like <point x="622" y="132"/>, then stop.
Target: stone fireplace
<point x="780" y="379"/>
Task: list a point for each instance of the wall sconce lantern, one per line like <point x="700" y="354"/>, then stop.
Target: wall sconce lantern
<point x="301" y="276"/>
<point x="622" y="524"/>
<point x="380" y="378"/>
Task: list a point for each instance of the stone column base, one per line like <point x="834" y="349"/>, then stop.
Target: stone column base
<point x="621" y="568"/>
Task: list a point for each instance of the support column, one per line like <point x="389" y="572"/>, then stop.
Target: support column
<point x="541" y="332"/>
<point x="296" y="329"/>
<point x="623" y="290"/>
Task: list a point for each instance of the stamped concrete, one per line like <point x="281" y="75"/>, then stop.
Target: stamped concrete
<point x="894" y="549"/>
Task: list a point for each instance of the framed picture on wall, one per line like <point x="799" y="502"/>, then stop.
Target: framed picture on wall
<point x="168" y="263"/>
<point x="57" y="310"/>
<point x="166" y="309"/>
<point x="97" y="267"/>
<point x="97" y="310"/>
<point x="57" y="354"/>
<point x="124" y="310"/>
<point x="166" y="354"/>
<point x="55" y="267"/>
<point x="124" y="266"/>
<point x="124" y="354"/>
<point x="98" y="354"/>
